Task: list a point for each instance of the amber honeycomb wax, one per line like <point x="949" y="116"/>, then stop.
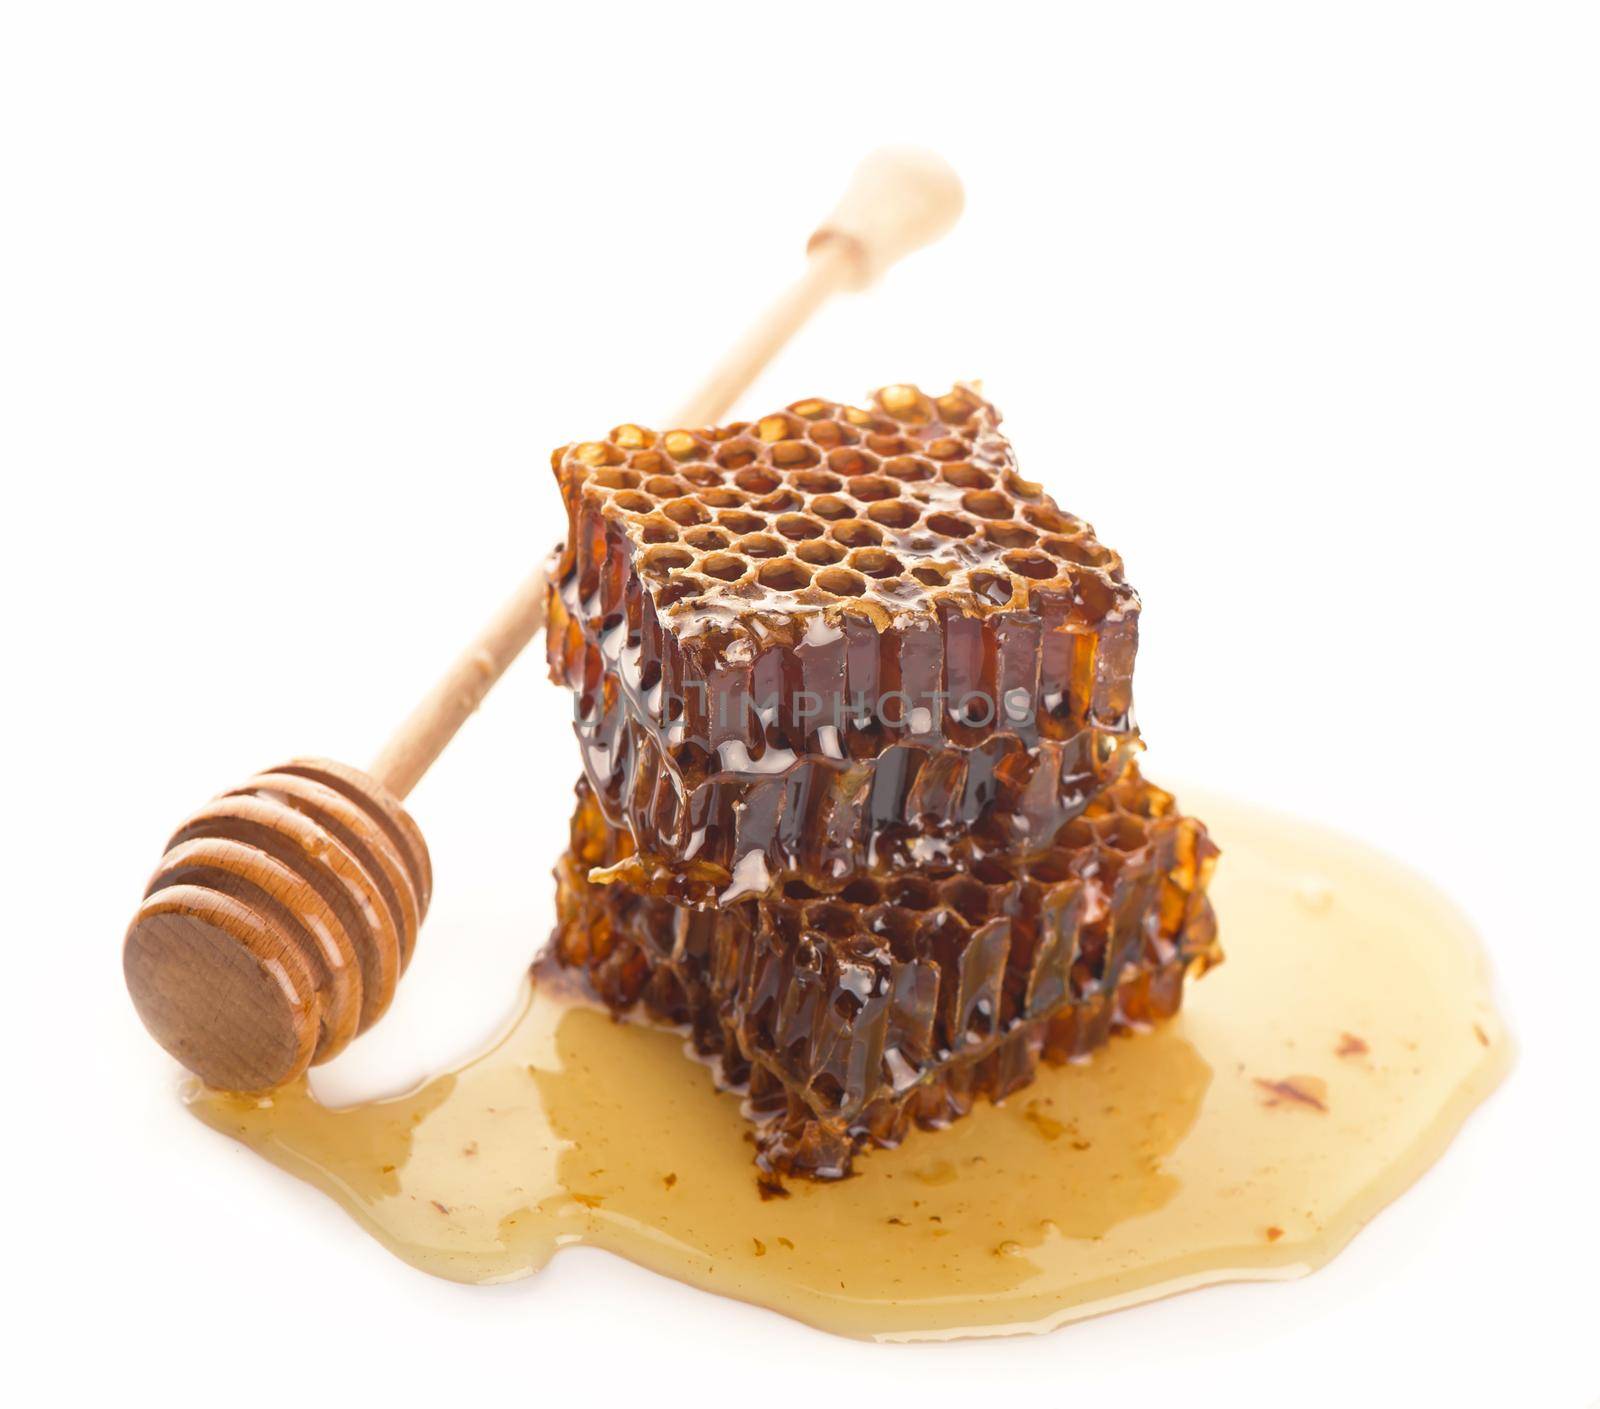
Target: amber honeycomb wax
<point x="779" y="600"/>
<point x="720" y="837"/>
<point x="849" y="1012"/>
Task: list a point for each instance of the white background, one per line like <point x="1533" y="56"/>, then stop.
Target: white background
<point x="1299" y="304"/>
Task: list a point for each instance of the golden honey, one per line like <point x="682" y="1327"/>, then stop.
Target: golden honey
<point x="1307" y="1082"/>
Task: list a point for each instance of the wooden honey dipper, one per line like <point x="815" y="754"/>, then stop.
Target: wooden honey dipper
<point x="283" y="913"/>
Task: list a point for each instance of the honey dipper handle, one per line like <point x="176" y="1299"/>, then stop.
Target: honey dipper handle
<point x="828" y="269"/>
<point x="898" y="200"/>
<point x="418" y="741"/>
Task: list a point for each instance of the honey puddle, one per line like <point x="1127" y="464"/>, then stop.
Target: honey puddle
<point x="1308" y="1082"/>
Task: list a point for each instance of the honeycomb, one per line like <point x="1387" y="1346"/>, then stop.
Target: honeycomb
<point x="829" y="581"/>
<point x="722" y="836"/>
<point x="848" y="1011"/>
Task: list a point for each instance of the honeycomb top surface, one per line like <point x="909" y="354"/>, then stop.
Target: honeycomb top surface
<point x="768" y="532"/>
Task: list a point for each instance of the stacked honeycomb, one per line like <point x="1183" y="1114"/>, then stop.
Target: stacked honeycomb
<point x="860" y="807"/>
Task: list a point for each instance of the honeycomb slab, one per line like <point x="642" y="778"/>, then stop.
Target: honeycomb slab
<point x="781" y="599"/>
<point x="849" y="1012"/>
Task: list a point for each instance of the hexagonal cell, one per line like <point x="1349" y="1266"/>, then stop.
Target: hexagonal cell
<point x="861" y="890"/>
<point x="819" y="552"/>
<point x="649" y="462"/>
<point x="797" y="527"/>
<point x="906" y="404"/>
<point x="852" y="462"/>
<point x="1083" y="551"/>
<point x="966" y="475"/>
<point x="757" y="481"/>
<point x="908" y="469"/>
<point x="837" y="921"/>
<point x="682" y="445"/>
<point x="701" y="476"/>
<point x="706" y="539"/>
<point x="950" y="525"/>
<point x="1034" y="565"/>
<point x="854" y="533"/>
<point x="995" y="870"/>
<point x="1056" y="866"/>
<point x="987" y="504"/>
<point x="596" y="453"/>
<point x="780" y="501"/>
<point x="736" y="454"/>
<point x="894" y="513"/>
<point x="783" y="575"/>
<point x="816" y="482"/>
<point x="1010" y="535"/>
<point x="761" y="545"/>
<point x="686" y="512"/>
<point x="725" y="567"/>
<point x="990" y="587"/>
<point x="871" y="488"/>
<point x="795" y="455"/>
<point x="631" y="437"/>
<point x="913" y="893"/>
<point x="1051" y="519"/>
<point x="840" y="582"/>
<point x="874" y="562"/>
<point x="779" y="428"/>
<point x="660" y="561"/>
<point x="830" y="435"/>
<point x="830" y="506"/>
<point x="970" y="899"/>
